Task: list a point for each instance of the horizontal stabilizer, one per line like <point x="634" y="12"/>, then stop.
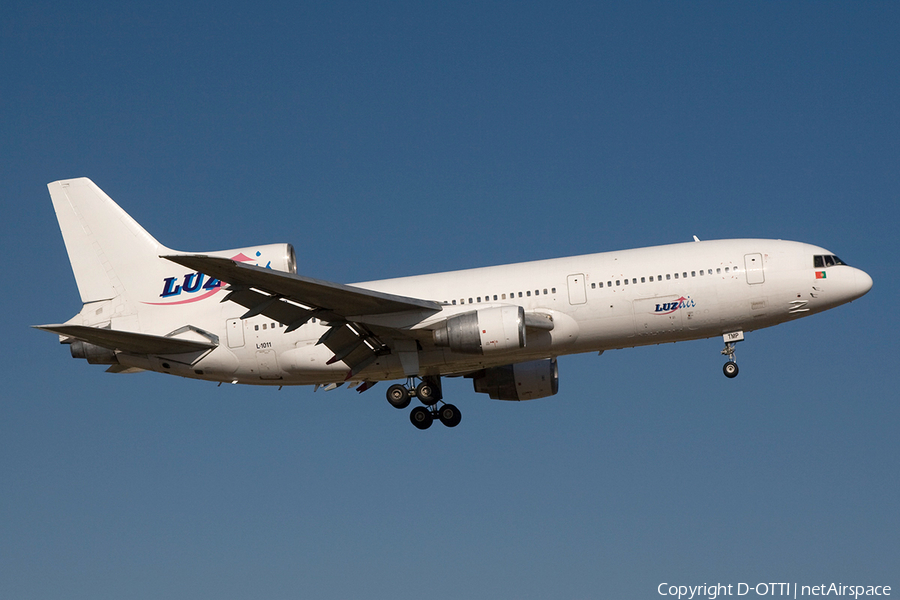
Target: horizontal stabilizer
<point x="127" y="341"/>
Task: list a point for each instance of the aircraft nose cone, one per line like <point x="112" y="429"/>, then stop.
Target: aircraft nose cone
<point x="863" y="282"/>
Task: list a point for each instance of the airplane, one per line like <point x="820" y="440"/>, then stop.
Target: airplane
<point x="245" y="316"/>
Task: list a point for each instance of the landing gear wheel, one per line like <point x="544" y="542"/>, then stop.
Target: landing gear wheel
<point x="449" y="415"/>
<point x="425" y="393"/>
<point x="421" y="417"/>
<point x="730" y="369"/>
<point x="398" y="396"/>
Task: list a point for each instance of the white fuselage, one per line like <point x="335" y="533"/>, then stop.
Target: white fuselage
<point x="597" y="302"/>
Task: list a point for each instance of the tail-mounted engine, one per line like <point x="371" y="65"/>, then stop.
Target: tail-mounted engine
<point x="484" y="331"/>
<point x="521" y="381"/>
<point x="279" y="257"/>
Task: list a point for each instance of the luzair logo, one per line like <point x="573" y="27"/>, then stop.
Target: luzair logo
<point x="192" y="283"/>
<point x="667" y="308"/>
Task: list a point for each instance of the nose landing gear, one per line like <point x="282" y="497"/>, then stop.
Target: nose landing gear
<point x="730" y="368"/>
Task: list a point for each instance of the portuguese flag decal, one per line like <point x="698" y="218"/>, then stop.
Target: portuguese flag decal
<point x="820" y="274"/>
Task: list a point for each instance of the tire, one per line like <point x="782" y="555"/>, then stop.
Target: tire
<point x="425" y="393"/>
<point x="730" y="369"/>
<point x="421" y="417"/>
<point x="398" y="396"/>
<point x="449" y="415"/>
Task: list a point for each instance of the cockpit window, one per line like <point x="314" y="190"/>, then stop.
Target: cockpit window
<point x="820" y="261"/>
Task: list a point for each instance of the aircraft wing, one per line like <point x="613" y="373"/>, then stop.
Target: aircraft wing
<point x="127" y="341"/>
<point x="293" y="300"/>
<point x="335" y="298"/>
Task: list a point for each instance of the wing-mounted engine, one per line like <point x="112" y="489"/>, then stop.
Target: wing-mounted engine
<point x="95" y="355"/>
<point x="484" y="331"/>
<point x="521" y="381"/>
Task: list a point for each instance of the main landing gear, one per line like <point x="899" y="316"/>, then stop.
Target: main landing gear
<point x="730" y="368"/>
<point x="428" y="391"/>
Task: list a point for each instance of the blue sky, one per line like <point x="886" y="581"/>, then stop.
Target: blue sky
<point x="390" y="139"/>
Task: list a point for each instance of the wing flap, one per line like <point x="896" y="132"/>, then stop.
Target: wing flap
<point x="129" y="341"/>
<point x="274" y="307"/>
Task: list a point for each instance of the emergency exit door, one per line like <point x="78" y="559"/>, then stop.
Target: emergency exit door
<point x="753" y="263"/>
<point x="577" y="293"/>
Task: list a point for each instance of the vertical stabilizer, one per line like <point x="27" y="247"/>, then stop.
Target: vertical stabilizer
<point x="108" y="250"/>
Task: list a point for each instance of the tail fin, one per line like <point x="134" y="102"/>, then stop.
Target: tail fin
<point x="108" y="250"/>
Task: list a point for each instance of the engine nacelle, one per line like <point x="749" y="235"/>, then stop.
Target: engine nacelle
<point x="279" y="257"/>
<point x="484" y="331"/>
<point x="521" y="381"/>
<point x="95" y="355"/>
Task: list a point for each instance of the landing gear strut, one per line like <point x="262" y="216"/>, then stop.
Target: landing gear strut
<point x="730" y="368"/>
<point x="428" y="391"/>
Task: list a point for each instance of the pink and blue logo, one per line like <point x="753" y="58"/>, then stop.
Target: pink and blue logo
<point x="198" y="285"/>
<point x="667" y="308"/>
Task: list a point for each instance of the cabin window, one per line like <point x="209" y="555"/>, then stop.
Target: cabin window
<point x="503" y="296"/>
<point x="528" y="293"/>
<point x="618" y="282"/>
<point x="719" y="271"/>
<point x="634" y="281"/>
<point x="520" y="294"/>
<point x="601" y="285"/>
<point x="256" y="328"/>
<point x="553" y="290"/>
<point x="593" y="286"/>
<point x="264" y="326"/>
<point x="470" y="301"/>
<point x="643" y="280"/>
<point x="454" y="302"/>
<point x="651" y="279"/>
<point x="693" y="274"/>
<point x="710" y="271"/>
<point x="676" y="275"/>
<point x="726" y="269"/>
<point x="684" y="274"/>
